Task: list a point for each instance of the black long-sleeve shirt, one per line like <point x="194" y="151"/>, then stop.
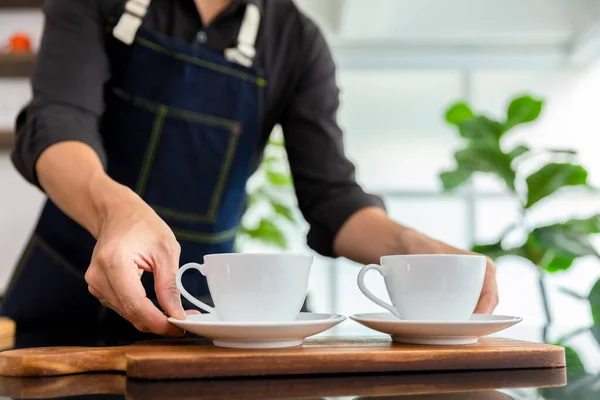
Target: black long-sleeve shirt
<point x="303" y="95"/>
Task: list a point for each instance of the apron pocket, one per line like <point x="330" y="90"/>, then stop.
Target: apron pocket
<point x="187" y="166"/>
<point x="186" y="158"/>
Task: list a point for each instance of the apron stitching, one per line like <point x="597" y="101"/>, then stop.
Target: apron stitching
<point x="207" y="237"/>
<point x="19" y="269"/>
<point x="235" y="130"/>
<point x="207" y="64"/>
<point x="59" y="258"/>
<point x="225" y="170"/>
<point x="151" y="152"/>
<point x="175" y="112"/>
<point x="175" y="214"/>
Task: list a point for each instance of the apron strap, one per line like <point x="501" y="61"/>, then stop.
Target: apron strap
<point x="131" y="20"/>
<point x="136" y="10"/>
<point x="245" y="51"/>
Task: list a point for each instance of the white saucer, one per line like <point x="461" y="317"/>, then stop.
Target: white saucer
<point x="258" y="335"/>
<point x="436" y="333"/>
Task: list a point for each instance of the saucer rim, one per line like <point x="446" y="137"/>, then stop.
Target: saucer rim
<point x="502" y="320"/>
<point x="331" y="317"/>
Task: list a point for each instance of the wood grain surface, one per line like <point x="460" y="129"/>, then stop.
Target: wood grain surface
<point x="286" y="387"/>
<point x="190" y="359"/>
<point x="7" y="328"/>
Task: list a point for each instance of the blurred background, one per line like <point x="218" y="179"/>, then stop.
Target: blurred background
<point x="402" y="65"/>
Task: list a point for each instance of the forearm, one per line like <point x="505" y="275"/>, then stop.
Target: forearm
<point x="72" y="175"/>
<point x="370" y="234"/>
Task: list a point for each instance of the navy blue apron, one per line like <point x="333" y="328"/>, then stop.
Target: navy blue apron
<point x="181" y="129"/>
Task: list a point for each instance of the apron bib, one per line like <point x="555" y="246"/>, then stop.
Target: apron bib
<point x="181" y="129"/>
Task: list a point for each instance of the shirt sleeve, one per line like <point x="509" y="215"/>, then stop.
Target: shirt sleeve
<point x="324" y="178"/>
<point x="68" y="82"/>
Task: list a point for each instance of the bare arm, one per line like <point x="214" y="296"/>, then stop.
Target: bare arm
<point x="131" y="237"/>
<point x="370" y="234"/>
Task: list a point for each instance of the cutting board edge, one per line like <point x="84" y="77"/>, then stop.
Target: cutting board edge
<point x="550" y="357"/>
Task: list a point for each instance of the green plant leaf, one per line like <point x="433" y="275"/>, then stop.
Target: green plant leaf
<point x="492" y="250"/>
<point x="458" y="113"/>
<point x="487" y="159"/>
<point x="551" y="178"/>
<point x="252" y="200"/>
<point x="559" y="263"/>
<point x="482" y="130"/>
<point x="276" y="143"/>
<point x="453" y="179"/>
<point x="495" y="250"/>
<point x="589" y="225"/>
<point x="279" y="178"/>
<point x="523" y="110"/>
<point x="518" y="151"/>
<point x="573" y="360"/>
<point x="284" y="211"/>
<point x="269" y="160"/>
<point x="555" y="247"/>
<point x="268" y="233"/>
<point x="594" y="299"/>
<point x="595" y="329"/>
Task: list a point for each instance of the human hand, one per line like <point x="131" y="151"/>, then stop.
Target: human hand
<point x="417" y="243"/>
<point x="488" y="300"/>
<point x="370" y="234"/>
<point x="132" y="239"/>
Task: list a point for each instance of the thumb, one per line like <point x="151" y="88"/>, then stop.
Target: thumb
<point x="165" y="275"/>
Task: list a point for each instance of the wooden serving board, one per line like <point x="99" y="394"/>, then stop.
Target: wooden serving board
<point x="7" y="332"/>
<point x="7" y="328"/>
<point x="199" y="359"/>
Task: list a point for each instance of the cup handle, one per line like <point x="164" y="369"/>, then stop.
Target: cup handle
<point x="187" y="295"/>
<point x="367" y="292"/>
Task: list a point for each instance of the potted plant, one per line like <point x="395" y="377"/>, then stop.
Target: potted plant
<point x="271" y="201"/>
<point x="548" y="248"/>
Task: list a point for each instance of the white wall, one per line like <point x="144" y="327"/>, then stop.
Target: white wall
<point x="19" y="201"/>
<point x="467" y="21"/>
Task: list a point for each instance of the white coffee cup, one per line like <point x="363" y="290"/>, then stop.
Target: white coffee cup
<point x="253" y="287"/>
<point x="429" y="287"/>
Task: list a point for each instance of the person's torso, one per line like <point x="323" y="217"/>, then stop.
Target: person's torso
<point x="278" y="46"/>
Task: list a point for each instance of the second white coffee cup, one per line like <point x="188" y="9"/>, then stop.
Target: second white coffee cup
<point x="253" y="287"/>
<point x="429" y="287"/>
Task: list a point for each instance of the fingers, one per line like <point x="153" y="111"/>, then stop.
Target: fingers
<point x="487" y="304"/>
<point x="165" y="273"/>
<point x="119" y="288"/>
<point x="99" y="286"/>
<point x="192" y="312"/>
<point x="489" y="294"/>
<point x="133" y="304"/>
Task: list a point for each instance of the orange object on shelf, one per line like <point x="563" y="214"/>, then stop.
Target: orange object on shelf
<point x="20" y="43"/>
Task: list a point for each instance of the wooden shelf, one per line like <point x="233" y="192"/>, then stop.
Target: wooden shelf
<point x="21" y="3"/>
<point x="6" y="140"/>
<point x="16" y="65"/>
